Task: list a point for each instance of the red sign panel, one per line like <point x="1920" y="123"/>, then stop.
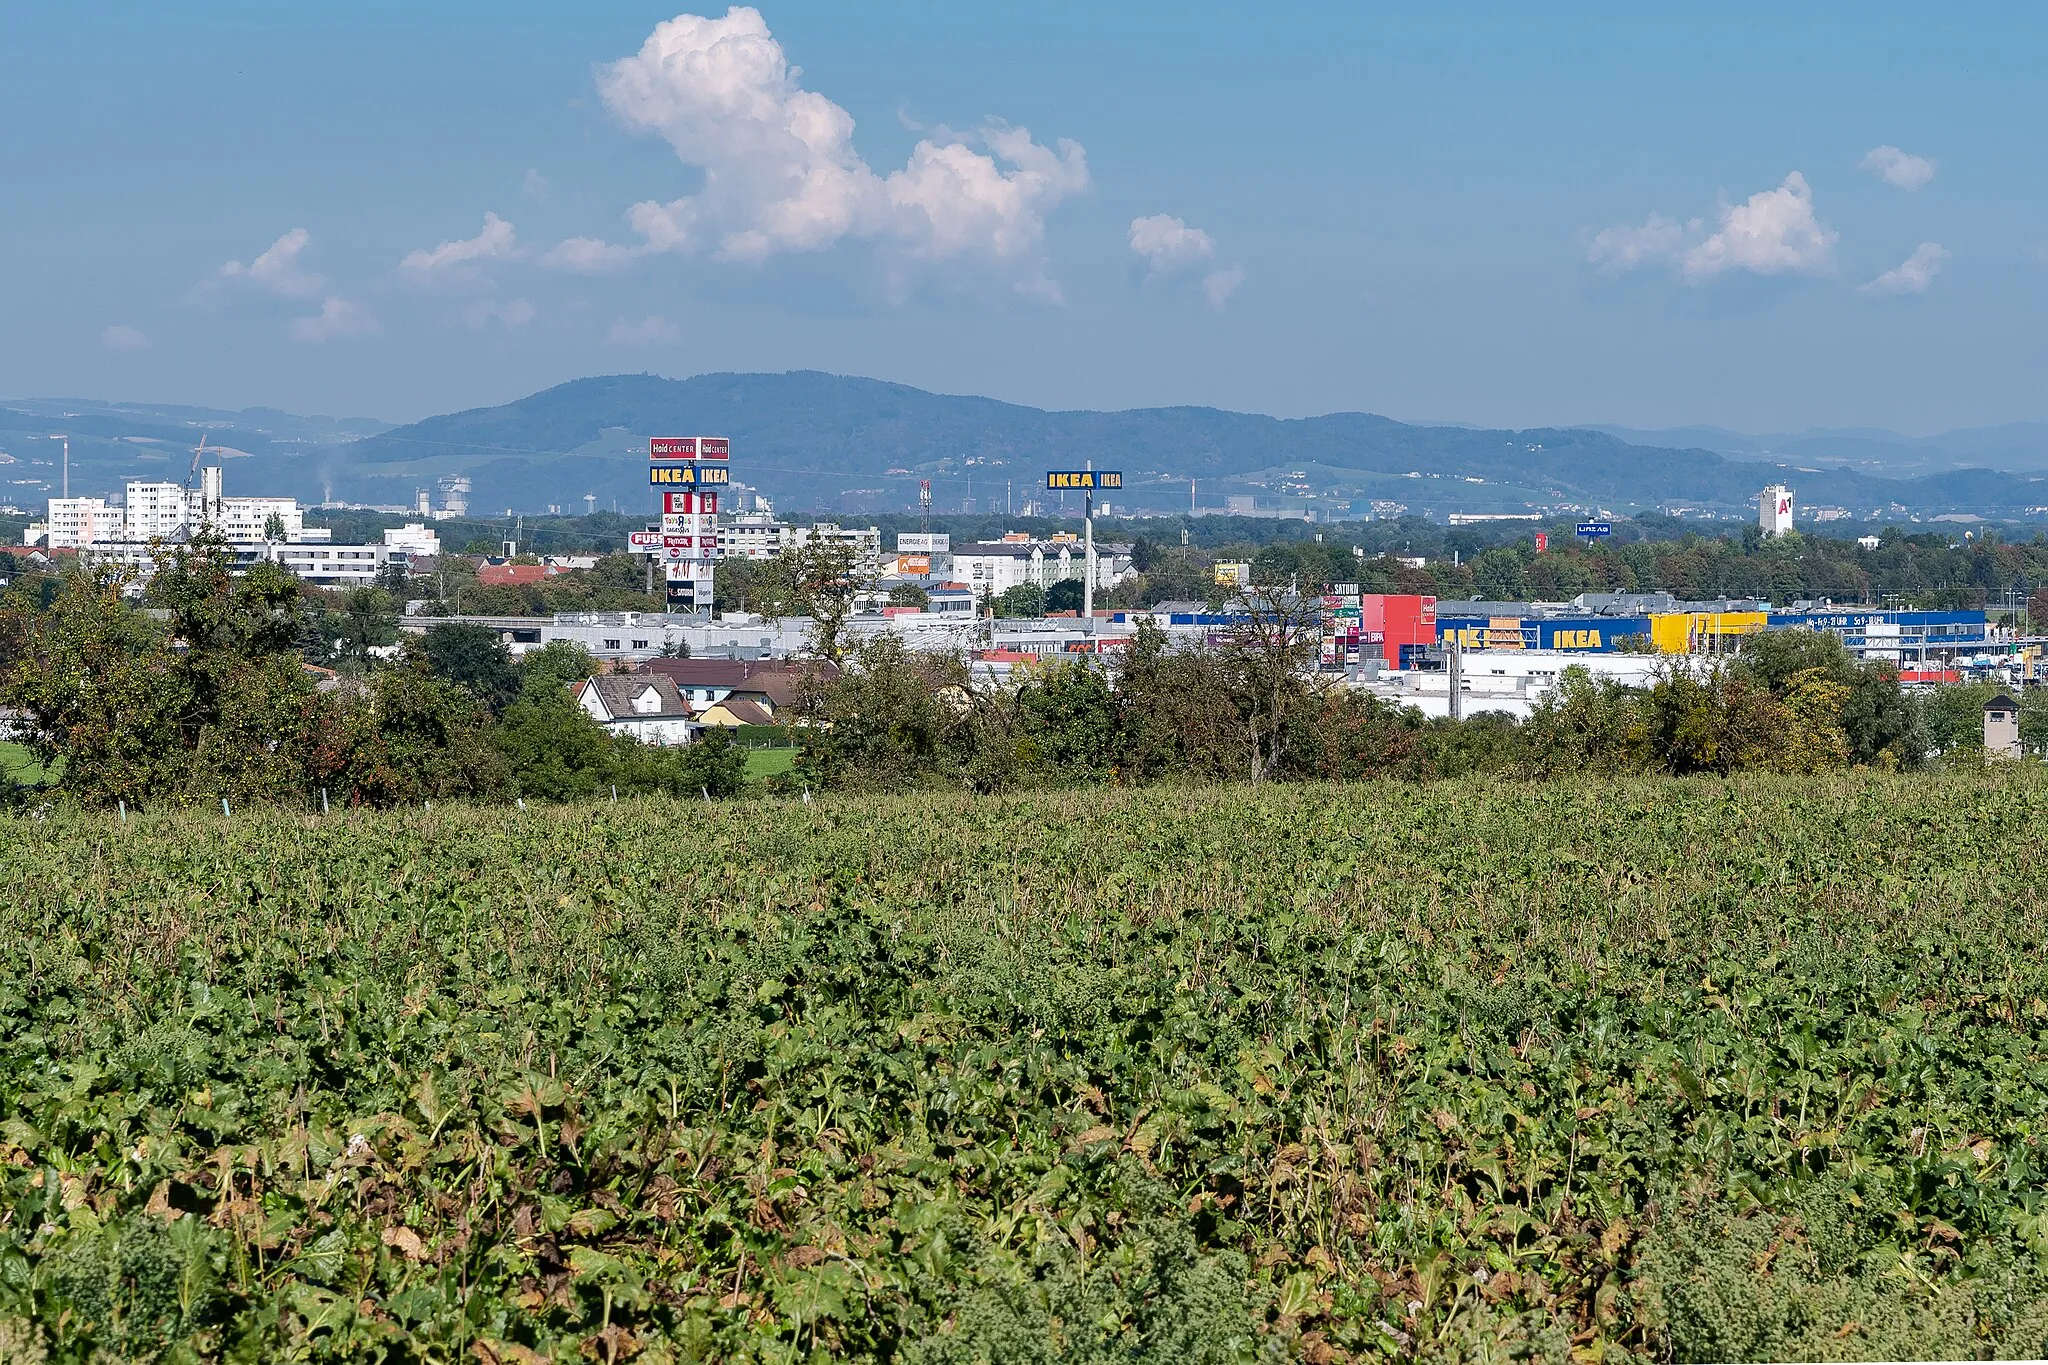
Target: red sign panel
<point x="689" y="448"/>
<point x="689" y="502"/>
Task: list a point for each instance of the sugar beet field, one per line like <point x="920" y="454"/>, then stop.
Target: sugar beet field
<point x="1664" y="1069"/>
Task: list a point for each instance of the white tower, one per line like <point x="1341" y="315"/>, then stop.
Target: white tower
<point x="1774" y="510"/>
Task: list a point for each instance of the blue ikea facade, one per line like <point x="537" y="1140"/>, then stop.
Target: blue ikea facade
<point x="1911" y="631"/>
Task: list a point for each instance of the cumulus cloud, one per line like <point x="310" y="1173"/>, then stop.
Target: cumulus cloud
<point x="277" y="270"/>
<point x="337" y="318"/>
<point x="496" y="240"/>
<point x="781" y="173"/>
<point x="122" y="337"/>
<point x="1659" y="241"/>
<point x="1168" y="246"/>
<point x="1912" y="275"/>
<point x="1773" y="232"/>
<point x="1902" y="169"/>
<point x="587" y="256"/>
<point x="1219" y="285"/>
<point x="652" y="330"/>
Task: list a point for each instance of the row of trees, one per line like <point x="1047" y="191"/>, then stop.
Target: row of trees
<point x="204" y="693"/>
<point x="1250" y="708"/>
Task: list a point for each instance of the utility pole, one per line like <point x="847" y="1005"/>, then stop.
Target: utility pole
<point x="1457" y="669"/>
<point x="1088" y="553"/>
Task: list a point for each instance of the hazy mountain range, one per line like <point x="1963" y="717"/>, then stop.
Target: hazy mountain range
<point x="2017" y="447"/>
<point x="814" y="440"/>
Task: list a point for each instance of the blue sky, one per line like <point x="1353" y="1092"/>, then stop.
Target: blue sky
<point x="1500" y="214"/>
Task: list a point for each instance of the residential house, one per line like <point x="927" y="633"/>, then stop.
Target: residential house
<point x="646" y="707"/>
<point x="498" y="573"/>
<point x="734" y="712"/>
<point x="769" y="684"/>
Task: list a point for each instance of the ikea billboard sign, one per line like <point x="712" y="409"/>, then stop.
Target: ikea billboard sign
<point x="1083" y="480"/>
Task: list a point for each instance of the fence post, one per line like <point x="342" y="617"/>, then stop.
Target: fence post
<point x="224" y="808"/>
<point x="323" y="800"/>
<point x="124" y="812"/>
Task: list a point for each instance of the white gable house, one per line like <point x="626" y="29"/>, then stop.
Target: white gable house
<point x="644" y="706"/>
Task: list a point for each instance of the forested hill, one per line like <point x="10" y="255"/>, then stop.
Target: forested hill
<point x="818" y="438"/>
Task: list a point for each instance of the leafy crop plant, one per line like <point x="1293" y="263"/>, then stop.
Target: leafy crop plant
<point x="1694" y="1069"/>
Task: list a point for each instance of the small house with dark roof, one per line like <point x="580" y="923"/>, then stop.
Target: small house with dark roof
<point x="2001" y="727"/>
<point x="643" y="706"/>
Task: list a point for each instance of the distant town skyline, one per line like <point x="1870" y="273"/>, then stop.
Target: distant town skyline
<point x="1741" y="217"/>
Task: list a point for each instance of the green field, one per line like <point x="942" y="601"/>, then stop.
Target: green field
<point x="1698" y="1069"/>
<point x="20" y="767"/>
<point x="765" y="763"/>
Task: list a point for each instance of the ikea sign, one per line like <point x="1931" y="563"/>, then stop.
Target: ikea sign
<point x="686" y="475"/>
<point x="1083" y="480"/>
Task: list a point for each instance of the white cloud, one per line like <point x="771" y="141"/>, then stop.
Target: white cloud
<point x="497" y="239"/>
<point x="1219" y="285"/>
<point x="1167" y="244"/>
<point x="122" y="337"/>
<point x="647" y="331"/>
<point x="1773" y="232"/>
<point x="587" y="256"/>
<point x="337" y="318"/>
<point x="781" y="173"/>
<point x="277" y="270"/>
<point x="535" y="185"/>
<point x="1659" y="241"/>
<point x="1902" y="169"/>
<point x="1912" y="275"/>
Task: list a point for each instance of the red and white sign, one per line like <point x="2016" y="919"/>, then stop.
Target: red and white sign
<point x="689" y="448"/>
<point x="1542" y="541"/>
<point x="644" y="540"/>
<point x="689" y="503"/>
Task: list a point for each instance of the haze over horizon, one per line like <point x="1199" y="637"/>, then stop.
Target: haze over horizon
<point x="1739" y="219"/>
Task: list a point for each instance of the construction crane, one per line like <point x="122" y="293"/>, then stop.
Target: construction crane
<point x="197" y="456"/>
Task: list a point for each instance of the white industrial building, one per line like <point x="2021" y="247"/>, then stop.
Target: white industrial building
<point x="992" y="568"/>
<point x="324" y="565"/>
<point x="1509" y="681"/>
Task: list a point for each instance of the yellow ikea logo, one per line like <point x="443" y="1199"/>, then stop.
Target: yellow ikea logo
<point x="1083" y="479"/>
<point x="1577" y="639"/>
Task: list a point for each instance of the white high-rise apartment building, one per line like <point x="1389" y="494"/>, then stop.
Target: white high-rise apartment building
<point x="75" y="522"/>
<point x="1774" y="510"/>
<point x="162" y="510"/>
<point x="170" y="511"/>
